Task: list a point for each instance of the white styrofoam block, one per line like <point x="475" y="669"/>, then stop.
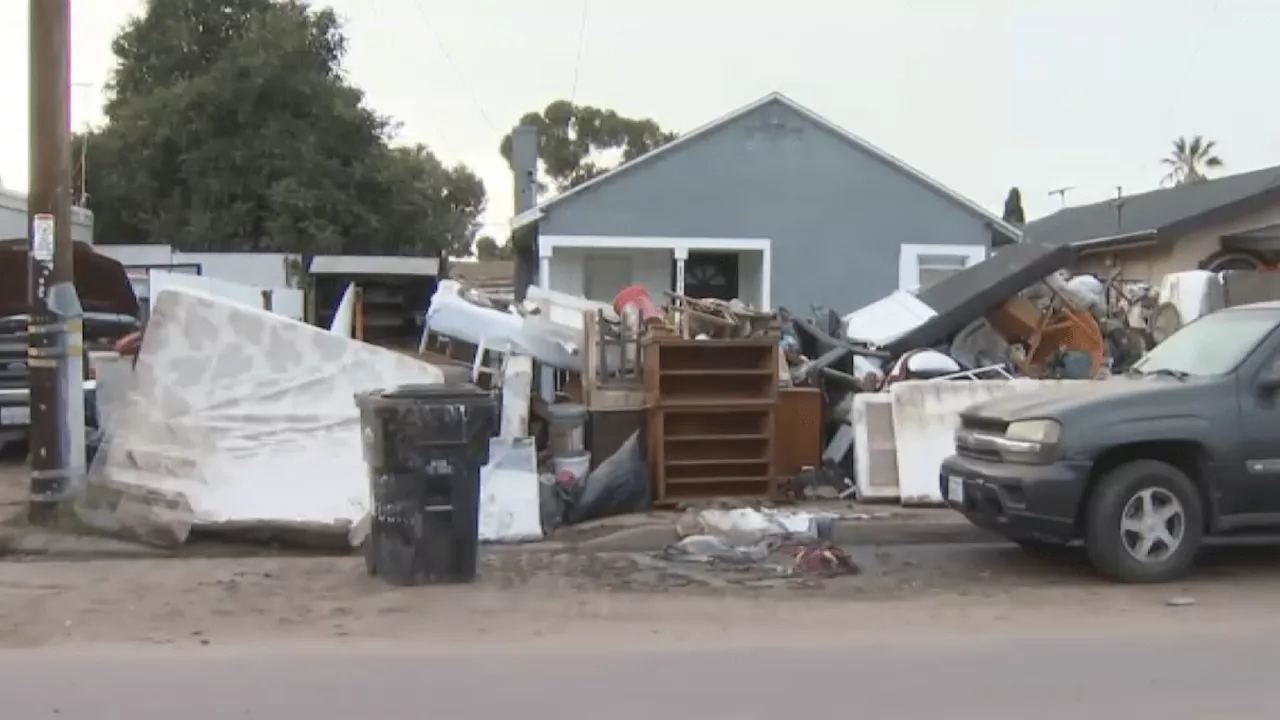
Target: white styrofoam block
<point x="863" y="446"/>
<point x="926" y="414"/>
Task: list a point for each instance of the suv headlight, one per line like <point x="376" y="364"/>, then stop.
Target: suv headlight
<point x="1031" y="441"/>
<point x="1041" y="431"/>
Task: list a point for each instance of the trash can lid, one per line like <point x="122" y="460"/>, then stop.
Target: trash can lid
<point x="431" y="393"/>
<point x="434" y="391"/>
<point x="571" y="414"/>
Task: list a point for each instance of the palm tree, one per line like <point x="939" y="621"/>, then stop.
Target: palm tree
<point x="1190" y="161"/>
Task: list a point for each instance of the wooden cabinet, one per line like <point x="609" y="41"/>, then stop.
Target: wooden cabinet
<point x="711" y="408"/>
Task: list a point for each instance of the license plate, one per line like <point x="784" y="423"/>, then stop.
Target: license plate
<point x="15" y="416"/>
<point x="955" y="490"/>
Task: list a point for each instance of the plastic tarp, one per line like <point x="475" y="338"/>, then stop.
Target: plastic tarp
<point x="240" y="418"/>
<point x="450" y="314"/>
<point x="510" y="492"/>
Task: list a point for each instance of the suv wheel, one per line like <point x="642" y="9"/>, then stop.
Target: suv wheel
<point x="1144" y="523"/>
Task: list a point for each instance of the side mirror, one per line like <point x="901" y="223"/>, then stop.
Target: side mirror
<point x="1268" y="383"/>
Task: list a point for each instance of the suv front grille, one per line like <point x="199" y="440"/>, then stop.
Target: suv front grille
<point x="991" y="426"/>
<point x="973" y="430"/>
<point x="13" y="361"/>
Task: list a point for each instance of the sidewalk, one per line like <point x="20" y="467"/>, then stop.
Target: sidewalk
<point x="854" y="525"/>
<point x="623" y="534"/>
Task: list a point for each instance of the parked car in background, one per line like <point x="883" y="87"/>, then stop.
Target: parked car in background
<point x="1142" y="466"/>
<point x="110" y="313"/>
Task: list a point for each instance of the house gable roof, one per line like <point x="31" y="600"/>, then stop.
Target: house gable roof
<point x="534" y="214"/>
<point x="1148" y="212"/>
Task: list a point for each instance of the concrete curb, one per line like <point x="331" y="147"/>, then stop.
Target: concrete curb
<point x="844" y="531"/>
<point x="39" y="544"/>
<point x="909" y="531"/>
<point x="30" y="543"/>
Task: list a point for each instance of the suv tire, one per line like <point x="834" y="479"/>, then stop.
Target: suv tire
<point x="1124" y="492"/>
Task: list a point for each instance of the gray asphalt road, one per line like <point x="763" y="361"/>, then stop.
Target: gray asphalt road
<point x="1133" y="675"/>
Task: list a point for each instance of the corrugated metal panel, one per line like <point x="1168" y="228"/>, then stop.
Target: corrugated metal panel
<point x="925" y="418"/>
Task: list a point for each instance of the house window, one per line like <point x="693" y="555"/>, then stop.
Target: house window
<point x="936" y="268"/>
<point x="709" y="275"/>
<point x="921" y="266"/>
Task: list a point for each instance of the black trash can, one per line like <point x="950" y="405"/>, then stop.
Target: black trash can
<point x="424" y="446"/>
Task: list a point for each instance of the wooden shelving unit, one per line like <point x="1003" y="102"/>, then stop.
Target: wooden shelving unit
<point x="711" y="407"/>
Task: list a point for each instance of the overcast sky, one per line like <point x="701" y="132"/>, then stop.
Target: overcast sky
<point x="980" y="94"/>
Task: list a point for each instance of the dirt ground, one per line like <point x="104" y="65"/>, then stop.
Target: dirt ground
<point x="13" y="485"/>
<point x="565" y="599"/>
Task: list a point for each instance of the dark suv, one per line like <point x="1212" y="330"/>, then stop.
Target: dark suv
<point x="110" y="312"/>
<point x="1139" y="466"/>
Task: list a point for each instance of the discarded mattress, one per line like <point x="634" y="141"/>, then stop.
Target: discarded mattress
<point x="452" y="315"/>
<point x="972" y="293"/>
<point x="239" y="418"/>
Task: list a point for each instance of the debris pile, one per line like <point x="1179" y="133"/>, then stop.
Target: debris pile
<point x="788" y="544"/>
<point x="652" y="400"/>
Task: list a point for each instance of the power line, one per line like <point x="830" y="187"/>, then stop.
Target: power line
<point x="462" y="79"/>
<point x="582" y="41"/>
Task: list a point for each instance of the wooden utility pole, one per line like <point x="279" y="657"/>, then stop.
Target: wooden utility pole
<point x="55" y="325"/>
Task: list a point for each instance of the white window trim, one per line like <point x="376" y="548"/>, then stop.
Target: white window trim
<point x="910" y="254"/>
<point x="680" y="248"/>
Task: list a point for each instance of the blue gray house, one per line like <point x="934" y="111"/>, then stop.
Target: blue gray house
<point x="771" y="203"/>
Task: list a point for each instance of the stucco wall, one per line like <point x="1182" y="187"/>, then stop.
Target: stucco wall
<point x="1184" y="253"/>
<point x="837" y="216"/>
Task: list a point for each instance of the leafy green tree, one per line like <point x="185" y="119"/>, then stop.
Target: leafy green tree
<point x="230" y="126"/>
<point x="1013" y="212"/>
<point x="1191" y="160"/>
<point x="487" y="248"/>
<point x="572" y="139"/>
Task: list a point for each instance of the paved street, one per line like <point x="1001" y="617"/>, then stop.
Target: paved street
<point x="1133" y="674"/>
<point x="982" y="631"/>
<point x="922" y="631"/>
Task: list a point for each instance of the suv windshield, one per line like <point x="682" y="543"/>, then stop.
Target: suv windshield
<point x="1212" y="345"/>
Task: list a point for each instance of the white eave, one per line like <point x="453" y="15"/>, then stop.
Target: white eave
<point x="529" y="217"/>
<point x="1139" y="237"/>
<point x="17" y="201"/>
<point x="533" y="215"/>
<point x="374" y="265"/>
